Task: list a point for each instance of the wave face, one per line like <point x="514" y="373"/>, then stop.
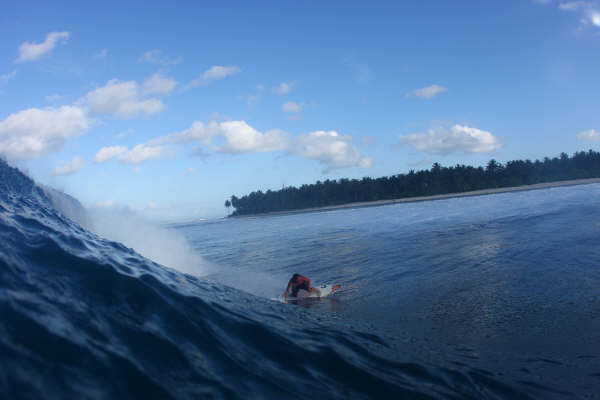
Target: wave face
<point x="85" y="317"/>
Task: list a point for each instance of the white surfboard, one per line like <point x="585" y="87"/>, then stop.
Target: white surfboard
<point x="326" y="290"/>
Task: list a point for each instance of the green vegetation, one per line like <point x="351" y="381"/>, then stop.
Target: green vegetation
<point x="437" y="180"/>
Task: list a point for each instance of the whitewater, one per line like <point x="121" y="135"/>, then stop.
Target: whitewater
<point x="482" y="297"/>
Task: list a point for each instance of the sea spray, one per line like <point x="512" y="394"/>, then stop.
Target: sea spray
<point x="164" y="246"/>
<point x="121" y="224"/>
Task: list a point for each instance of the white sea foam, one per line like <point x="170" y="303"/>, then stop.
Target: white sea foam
<point x="164" y="246"/>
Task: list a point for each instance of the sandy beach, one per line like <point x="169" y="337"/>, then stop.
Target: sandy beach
<point x="484" y="192"/>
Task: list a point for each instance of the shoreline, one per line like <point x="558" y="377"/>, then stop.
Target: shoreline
<point x="377" y="203"/>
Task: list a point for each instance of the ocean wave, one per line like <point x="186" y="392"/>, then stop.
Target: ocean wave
<point x="86" y="317"/>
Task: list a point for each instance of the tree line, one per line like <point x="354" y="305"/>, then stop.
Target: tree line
<point x="437" y="180"/>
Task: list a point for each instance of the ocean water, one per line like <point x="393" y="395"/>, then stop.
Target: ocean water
<point x="487" y="297"/>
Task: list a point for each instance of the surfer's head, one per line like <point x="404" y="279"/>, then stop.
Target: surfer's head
<point x="295" y="277"/>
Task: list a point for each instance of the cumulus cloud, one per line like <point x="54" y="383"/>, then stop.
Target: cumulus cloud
<point x="589" y="135"/>
<point x="145" y="152"/>
<point x="292" y="107"/>
<point x="33" y="51"/>
<point x="242" y="138"/>
<point x="214" y="73"/>
<point x="70" y="167"/>
<point x="106" y="153"/>
<point x="122" y="99"/>
<point x="218" y="72"/>
<point x="593" y="17"/>
<point x="33" y="132"/>
<point x="458" y="138"/>
<point x="238" y="137"/>
<point x="428" y="92"/>
<point x="198" y="131"/>
<point x="156" y="57"/>
<point x="138" y="154"/>
<point x="284" y="88"/>
<point x="331" y="149"/>
<point x="158" y="84"/>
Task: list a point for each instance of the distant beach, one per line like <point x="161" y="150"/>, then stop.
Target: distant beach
<point x="484" y="192"/>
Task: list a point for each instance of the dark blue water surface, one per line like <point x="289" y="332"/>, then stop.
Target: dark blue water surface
<point x="488" y="297"/>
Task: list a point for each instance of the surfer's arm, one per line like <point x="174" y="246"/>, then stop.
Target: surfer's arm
<point x="287" y="291"/>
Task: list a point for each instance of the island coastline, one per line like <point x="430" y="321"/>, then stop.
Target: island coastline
<point x="417" y="199"/>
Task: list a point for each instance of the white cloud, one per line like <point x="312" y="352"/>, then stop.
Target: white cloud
<point x="158" y="84"/>
<point x="590" y="135"/>
<point x="427" y="92"/>
<point x="242" y="138"/>
<point x="123" y="99"/>
<point x="33" y="132"/>
<point x="214" y="73"/>
<point x="284" y="88"/>
<point x="218" y="72"/>
<point x="106" y="153"/>
<point x="7" y="77"/>
<point x="100" y="54"/>
<point x="69" y="168"/>
<point x="292" y="106"/>
<point x="458" y="138"/>
<point x="33" y="51"/>
<point x="145" y="152"/>
<point x="331" y="149"/>
<point x="155" y="57"/>
<point x="238" y="137"/>
<point x="196" y="132"/>
<point x="594" y="17"/>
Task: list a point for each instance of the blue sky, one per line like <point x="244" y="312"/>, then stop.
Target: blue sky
<point x="169" y="110"/>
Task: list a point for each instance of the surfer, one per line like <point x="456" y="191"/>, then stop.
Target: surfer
<point x="298" y="282"/>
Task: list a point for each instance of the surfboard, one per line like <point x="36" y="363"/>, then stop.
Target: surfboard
<point x="326" y="290"/>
